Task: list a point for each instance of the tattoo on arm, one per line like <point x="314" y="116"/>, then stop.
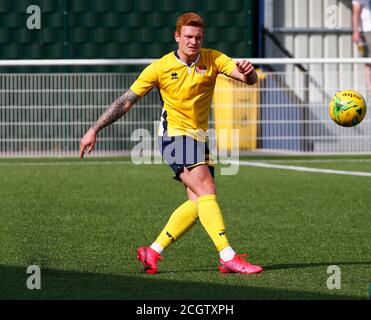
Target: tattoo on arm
<point x="117" y="109"/>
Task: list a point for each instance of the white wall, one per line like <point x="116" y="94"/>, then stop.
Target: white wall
<point x="327" y="15"/>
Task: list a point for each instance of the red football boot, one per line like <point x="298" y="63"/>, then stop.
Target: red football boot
<point x="239" y="265"/>
<point x="149" y="258"/>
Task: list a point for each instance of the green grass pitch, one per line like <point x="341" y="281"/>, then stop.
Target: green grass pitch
<point x="81" y="222"/>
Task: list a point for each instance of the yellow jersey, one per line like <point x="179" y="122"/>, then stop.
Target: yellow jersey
<point x="186" y="91"/>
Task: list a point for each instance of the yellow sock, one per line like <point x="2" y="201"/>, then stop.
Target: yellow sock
<point x="182" y="219"/>
<point x="212" y="220"/>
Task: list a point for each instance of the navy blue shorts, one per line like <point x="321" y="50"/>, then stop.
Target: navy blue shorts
<point x="181" y="152"/>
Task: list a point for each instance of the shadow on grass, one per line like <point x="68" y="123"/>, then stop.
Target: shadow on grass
<point x="314" y="264"/>
<point x="277" y="266"/>
<point x="58" y="284"/>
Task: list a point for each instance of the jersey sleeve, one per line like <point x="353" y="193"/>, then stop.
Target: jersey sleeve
<point x="146" y="81"/>
<point x="223" y="63"/>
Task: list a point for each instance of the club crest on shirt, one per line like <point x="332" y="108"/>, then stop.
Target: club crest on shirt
<point x="201" y="69"/>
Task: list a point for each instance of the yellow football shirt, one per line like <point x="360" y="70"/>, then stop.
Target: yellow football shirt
<point x="186" y="91"/>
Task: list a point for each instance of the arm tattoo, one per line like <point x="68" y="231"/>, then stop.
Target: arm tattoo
<point x="117" y="109"/>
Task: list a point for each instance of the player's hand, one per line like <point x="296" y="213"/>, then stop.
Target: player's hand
<point x="356" y="36"/>
<point x="245" y="67"/>
<point x="88" y="141"/>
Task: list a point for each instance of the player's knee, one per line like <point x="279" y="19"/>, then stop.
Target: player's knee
<point x="199" y="182"/>
<point x="206" y="187"/>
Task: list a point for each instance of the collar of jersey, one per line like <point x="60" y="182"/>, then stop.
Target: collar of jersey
<point x="189" y="66"/>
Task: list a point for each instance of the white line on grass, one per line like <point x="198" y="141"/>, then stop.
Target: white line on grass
<point x="254" y="163"/>
<point x="315" y="160"/>
<point x="302" y="169"/>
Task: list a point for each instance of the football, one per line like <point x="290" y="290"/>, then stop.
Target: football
<point x="347" y="108"/>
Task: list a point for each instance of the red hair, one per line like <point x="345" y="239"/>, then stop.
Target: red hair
<point x="189" y="19"/>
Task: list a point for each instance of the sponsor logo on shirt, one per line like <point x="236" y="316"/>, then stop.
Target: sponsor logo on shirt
<point x="174" y="76"/>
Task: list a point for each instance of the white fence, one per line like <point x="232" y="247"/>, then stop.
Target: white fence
<point x="285" y="113"/>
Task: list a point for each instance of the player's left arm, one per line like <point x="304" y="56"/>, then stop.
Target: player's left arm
<point x="245" y="72"/>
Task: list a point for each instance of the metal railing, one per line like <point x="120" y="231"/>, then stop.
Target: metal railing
<point x="285" y="113"/>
